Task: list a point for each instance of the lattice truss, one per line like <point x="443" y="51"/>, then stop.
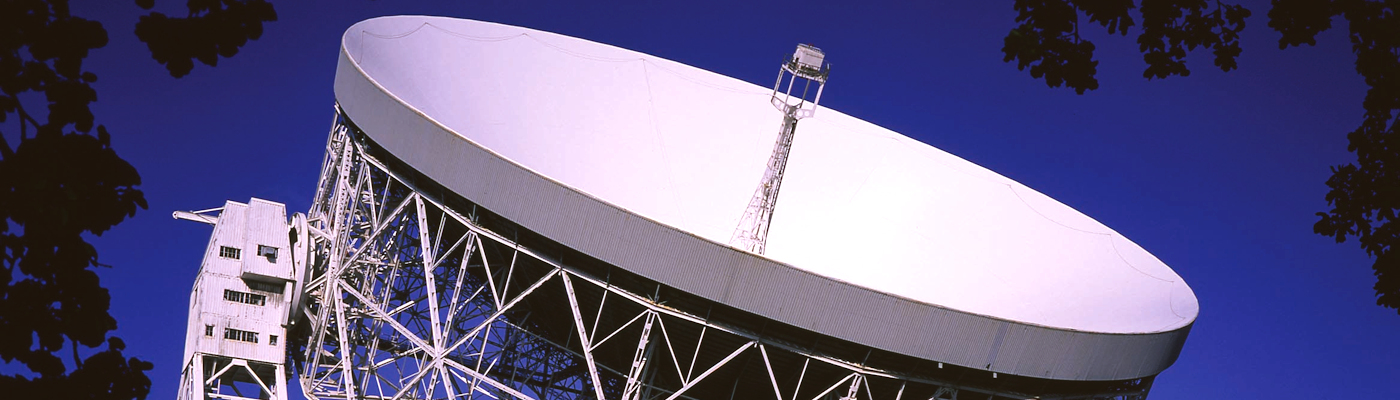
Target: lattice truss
<point x="410" y="299"/>
<point x="212" y="376"/>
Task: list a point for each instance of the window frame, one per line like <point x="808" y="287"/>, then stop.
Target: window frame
<point x="230" y="252"/>
<point x="245" y="297"/>
<point x="260" y="286"/>
<point x="240" y="335"/>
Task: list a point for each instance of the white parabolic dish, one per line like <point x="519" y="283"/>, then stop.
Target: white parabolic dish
<point x="909" y="226"/>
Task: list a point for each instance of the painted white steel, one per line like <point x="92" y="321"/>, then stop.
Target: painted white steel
<point x="809" y="57"/>
<point x="267" y="227"/>
<point x="1098" y="356"/>
<point x="681" y="146"/>
<point x="243" y="226"/>
<point x="252" y="307"/>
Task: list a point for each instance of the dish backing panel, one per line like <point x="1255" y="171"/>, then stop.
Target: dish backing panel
<point x="648" y="164"/>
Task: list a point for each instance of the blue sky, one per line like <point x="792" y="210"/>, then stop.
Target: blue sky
<point x="1217" y="174"/>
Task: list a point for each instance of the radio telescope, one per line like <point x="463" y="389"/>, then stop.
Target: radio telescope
<point x="508" y="213"/>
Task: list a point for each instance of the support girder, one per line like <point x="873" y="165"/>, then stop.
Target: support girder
<point x="411" y="299"/>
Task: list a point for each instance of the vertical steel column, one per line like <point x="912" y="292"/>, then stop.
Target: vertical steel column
<point x="639" y="360"/>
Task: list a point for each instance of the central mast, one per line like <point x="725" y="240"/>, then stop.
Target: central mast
<point x="809" y="64"/>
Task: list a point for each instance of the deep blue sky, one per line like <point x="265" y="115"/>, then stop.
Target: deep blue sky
<point x="1217" y="174"/>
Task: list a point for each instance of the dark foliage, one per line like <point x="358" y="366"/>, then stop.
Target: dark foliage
<point x="213" y="28"/>
<point x="62" y="179"/>
<point x="105" y="375"/>
<point x="1048" y="40"/>
<point x="1364" y="195"/>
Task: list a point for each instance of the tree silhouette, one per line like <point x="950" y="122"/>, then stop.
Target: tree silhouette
<point x="62" y="180"/>
<point x="1364" y="195"/>
<point x="1048" y="39"/>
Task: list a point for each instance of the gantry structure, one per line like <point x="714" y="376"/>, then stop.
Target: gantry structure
<point x="809" y="64"/>
<point x="409" y="292"/>
<point x="449" y="259"/>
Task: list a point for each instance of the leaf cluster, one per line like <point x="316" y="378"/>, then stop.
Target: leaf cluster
<point x="1048" y="41"/>
<point x="63" y="180"/>
<point x="1364" y="195"/>
<point x="56" y="186"/>
<point x="105" y="375"/>
<point x="213" y="29"/>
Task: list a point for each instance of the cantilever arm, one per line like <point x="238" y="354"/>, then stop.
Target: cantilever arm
<point x="198" y="216"/>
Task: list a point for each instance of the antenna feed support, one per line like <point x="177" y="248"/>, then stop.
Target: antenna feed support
<point x="809" y="64"/>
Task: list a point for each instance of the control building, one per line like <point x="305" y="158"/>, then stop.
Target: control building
<point x="235" y="345"/>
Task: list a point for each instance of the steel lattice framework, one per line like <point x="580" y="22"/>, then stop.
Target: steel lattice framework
<point x="807" y="63"/>
<point x="407" y="297"/>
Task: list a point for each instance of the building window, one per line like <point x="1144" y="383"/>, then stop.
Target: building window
<point x="245" y="298"/>
<point x="265" y="287"/>
<point x="272" y="340"/>
<point x="230" y="252"/>
<point x="208" y="330"/>
<point x="240" y="335"/>
<point x="268" y="252"/>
